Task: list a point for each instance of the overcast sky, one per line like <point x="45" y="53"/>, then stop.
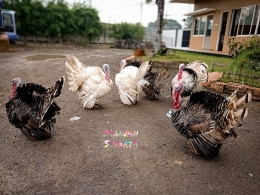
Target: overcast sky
<point x="117" y="11"/>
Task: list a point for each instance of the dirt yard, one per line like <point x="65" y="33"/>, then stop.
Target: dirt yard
<point x="76" y="160"/>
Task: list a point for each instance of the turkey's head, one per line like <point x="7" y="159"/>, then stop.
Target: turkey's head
<point x="122" y="64"/>
<point x="106" y="71"/>
<point x="16" y="83"/>
<point x="176" y="94"/>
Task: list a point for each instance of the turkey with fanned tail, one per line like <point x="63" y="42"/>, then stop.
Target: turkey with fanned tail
<point x="91" y="82"/>
<point x="130" y="81"/>
<point x="156" y="80"/>
<point x="191" y="76"/>
<point x="32" y="110"/>
<point x="207" y="119"/>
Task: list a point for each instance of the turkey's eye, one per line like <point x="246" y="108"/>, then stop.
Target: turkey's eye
<point x="202" y="71"/>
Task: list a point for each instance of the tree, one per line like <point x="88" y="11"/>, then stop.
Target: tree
<point x="188" y="22"/>
<point x="56" y="19"/>
<point x="128" y="32"/>
<point x="159" y="24"/>
<point x="172" y="24"/>
<point x="87" y="22"/>
<point x="167" y="24"/>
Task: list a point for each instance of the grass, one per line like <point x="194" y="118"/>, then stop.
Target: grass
<point x="219" y="62"/>
<point x="187" y="57"/>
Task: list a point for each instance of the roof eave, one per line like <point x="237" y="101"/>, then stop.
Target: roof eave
<point x="200" y="11"/>
<point x="183" y="1"/>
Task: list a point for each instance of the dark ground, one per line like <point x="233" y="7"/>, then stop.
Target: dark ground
<point x="75" y="161"/>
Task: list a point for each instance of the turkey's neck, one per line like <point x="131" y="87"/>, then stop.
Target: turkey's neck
<point x="180" y="74"/>
<point x="107" y="76"/>
<point x="121" y="67"/>
<point x="107" y="73"/>
<point x="14" y="88"/>
<point x="177" y="100"/>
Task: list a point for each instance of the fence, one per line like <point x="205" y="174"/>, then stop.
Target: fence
<point x="238" y="75"/>
<point x="104" y="38"/>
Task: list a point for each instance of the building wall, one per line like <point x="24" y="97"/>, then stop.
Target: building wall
<point x="172" y="38"/>
<point x="220" y="6"/>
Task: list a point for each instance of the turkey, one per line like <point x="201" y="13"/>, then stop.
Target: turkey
<point x="130" y="81"/>
<point x="207" y="119"/>
<point x="201" y="68"/>
<point x="91" y="82"/>
<point x="192" y="75"/>
<point x="32" y="108"/>
<point x="156" y="80"/>
<point x="163" y="51"/>
<point x="131" y="61"/>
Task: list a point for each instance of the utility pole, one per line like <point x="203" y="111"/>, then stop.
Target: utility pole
<point x="141" y="12"/>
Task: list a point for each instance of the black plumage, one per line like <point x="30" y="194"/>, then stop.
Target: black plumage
<point x="163" y="51"/>
<point x="156" y="81"/>
<point x="32" y="109"/>
<point x="207" y="119"/>
<point x="133" y="63"/>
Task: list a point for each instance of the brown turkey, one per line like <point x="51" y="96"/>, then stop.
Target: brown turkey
<point x="156" y="80"/>
<point x="207" y="119"/>
<point x="32" y="110"/>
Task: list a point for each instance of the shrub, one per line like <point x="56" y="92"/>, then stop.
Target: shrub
<point x="246" y="52"/>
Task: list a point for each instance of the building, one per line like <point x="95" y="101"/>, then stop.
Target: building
<point x="215" y="21"/>
<point x="171" y="38"/>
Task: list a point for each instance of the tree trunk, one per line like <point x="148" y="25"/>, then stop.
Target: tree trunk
<point x="159" y="26"/>
<point x="90" y="40"/>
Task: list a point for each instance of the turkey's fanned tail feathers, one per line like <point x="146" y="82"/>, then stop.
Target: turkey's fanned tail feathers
<point x="208" y="119"/>
<point x="76" y="73"/>
<point x="32" y="110"/>
<point x="142" y="70"/>
<point x="47" y="100"/>
<point x="201" y="69"/>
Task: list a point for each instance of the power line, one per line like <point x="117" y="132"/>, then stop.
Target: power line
<point x="125" y="13"/>
<point x="117" y="7"/>
<point x="141" y="12"/>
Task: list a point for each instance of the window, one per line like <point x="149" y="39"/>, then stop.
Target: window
<point x="200" y="24"/>
<point x="8" y="22"/>
<point x="245" y="21"/>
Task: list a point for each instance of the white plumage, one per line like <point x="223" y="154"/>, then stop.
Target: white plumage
<point x="91" y="82"/>
<point x="192" y="75"/>
<point x="130" y="81"/>
<point x="201" y="68"/>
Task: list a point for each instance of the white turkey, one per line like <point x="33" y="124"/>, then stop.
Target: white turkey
<point x="32" y="110"/>
<point x="207" y="119"/>
<point x="91" y="82"/>
<point x="192" y="75"/>
<point x="130" y="81"/>
<point x="156" y="80"/>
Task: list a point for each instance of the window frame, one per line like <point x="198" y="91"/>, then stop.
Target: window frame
<point x="232" y="23"/>
<point x="196" y="21"/>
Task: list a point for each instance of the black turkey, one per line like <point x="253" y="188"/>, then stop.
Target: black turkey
<point x="32" y="110"/>
<point x="131" y="61"/>
<point x="207" y="119"/>
<point x="163" y="51"/>
<point x="156" y="80"/>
